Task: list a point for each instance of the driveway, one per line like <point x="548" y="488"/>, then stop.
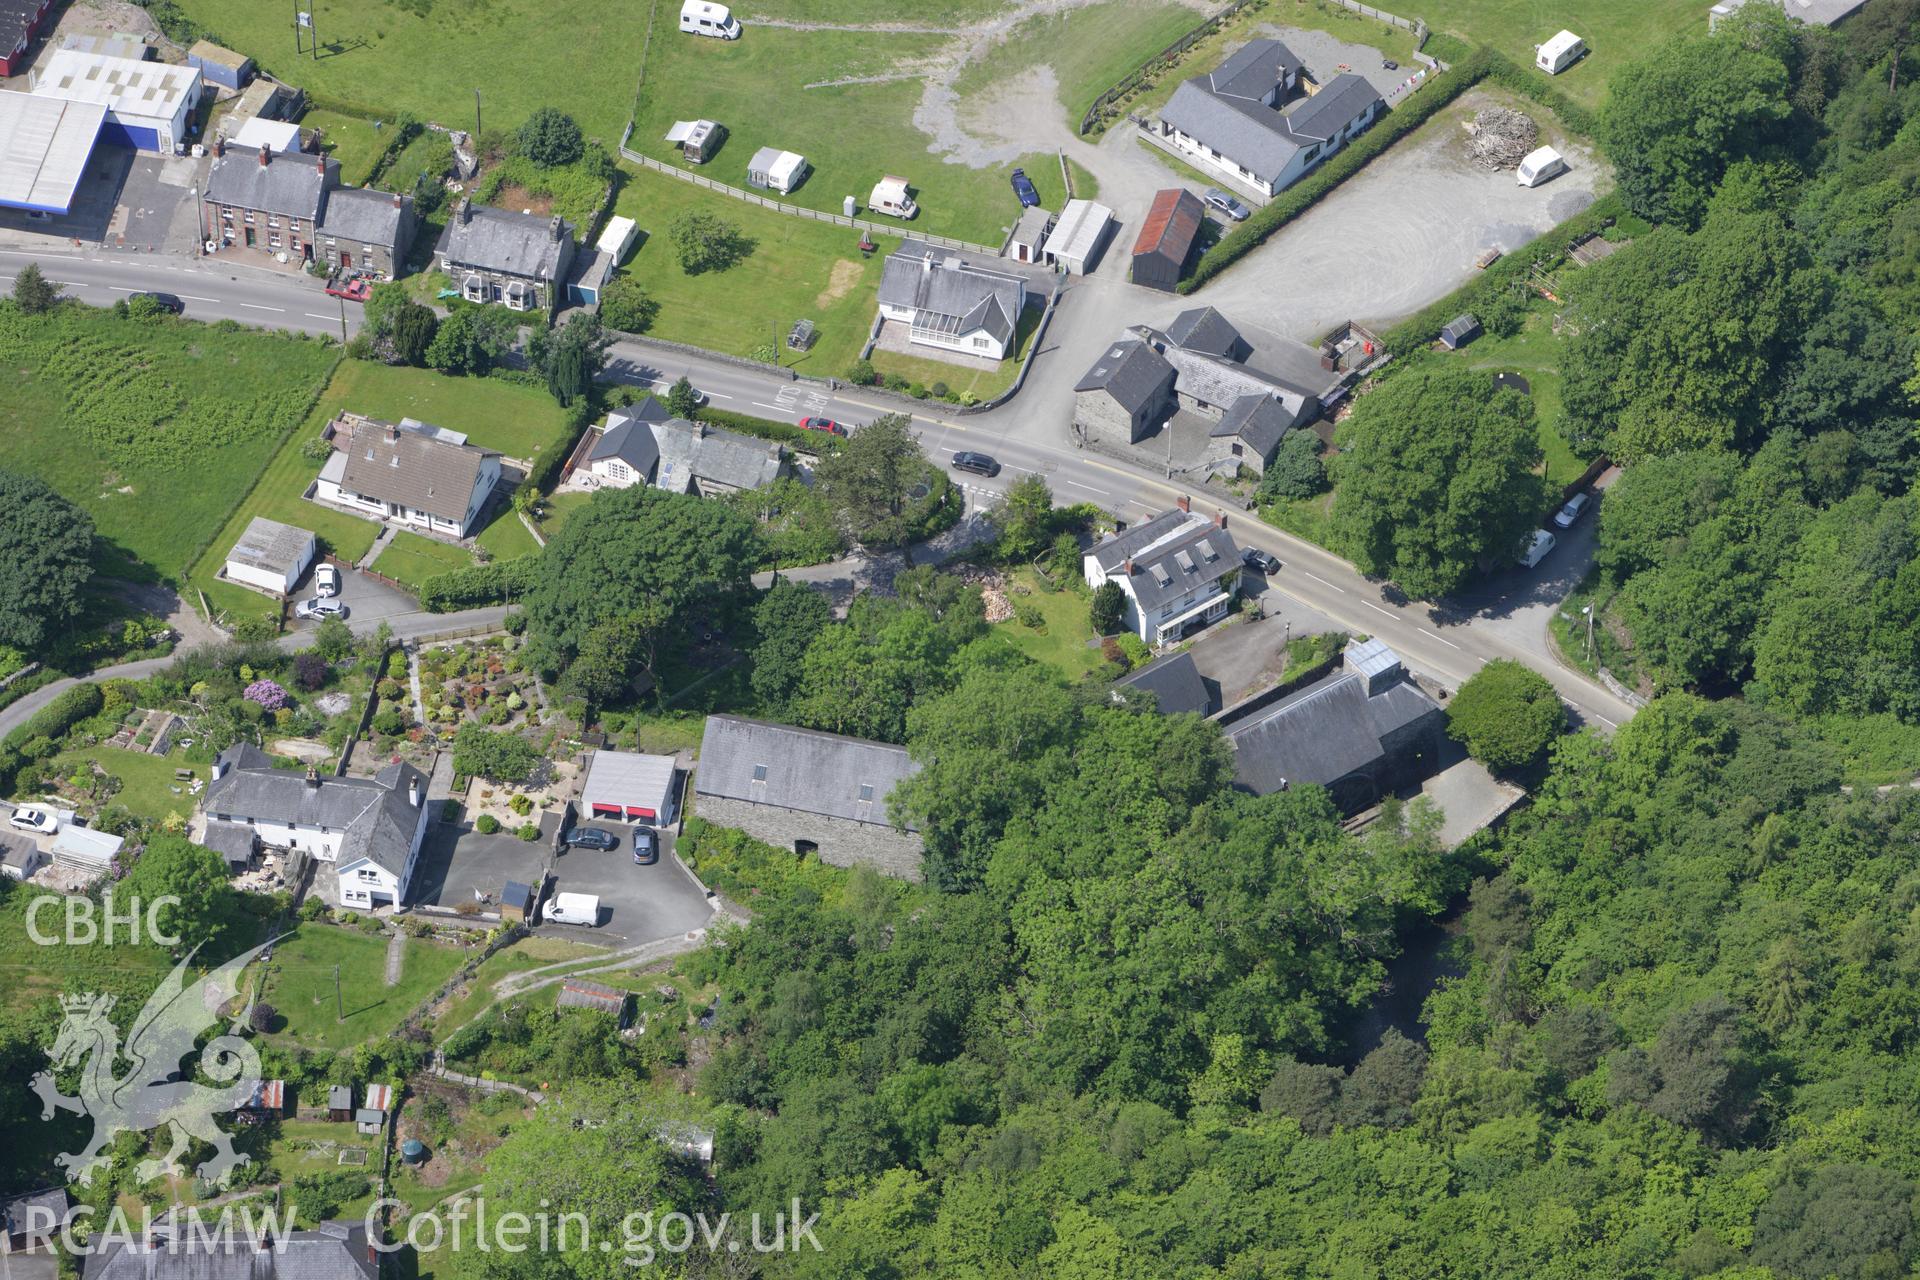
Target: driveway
<point x="457" y="862"/>
<point x="157" y="209"/>
<point x="368" y="601"/>
<point x="637" y="903"/>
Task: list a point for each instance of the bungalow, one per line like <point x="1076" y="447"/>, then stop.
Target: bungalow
<point x="625" y="785"/>
<point x="1361" y="732"/>
<point x="623" y="451"/>
<point x="409" y="472"/>
<point x="696" y="457"/>
<point x="1231" y="121"/>
<point x="270" y="556"/>
<point x="1166" y="238"/>
<point x="808" y="791"/>
<point x="286" y="202"/>
<point x="368" y="829"/>
<point x="494" y="255"/>
<point x="950" y="303"/>
<point x="332" y="1251"/>
<point x="1178" y="572"/>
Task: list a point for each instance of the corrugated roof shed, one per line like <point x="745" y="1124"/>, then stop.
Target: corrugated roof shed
<point x="578" y="993"/>
<point x="124" y="85"/>
<point x="44" y="146"/>
<point x="1171" y="223"/>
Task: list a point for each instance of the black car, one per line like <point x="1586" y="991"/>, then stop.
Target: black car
<point x="1023" y="187"/>
<point x="167" y="302"/>
<point x="590" y="838"/>
<point x="1255" y="558"/>
<point x="978" y="463"/>
<point x="646" y="846"/>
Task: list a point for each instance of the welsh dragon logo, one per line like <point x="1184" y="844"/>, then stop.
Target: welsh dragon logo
<point x="153" y="1094"/>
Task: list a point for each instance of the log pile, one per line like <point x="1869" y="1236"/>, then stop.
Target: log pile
<point x="1501" y="138"/>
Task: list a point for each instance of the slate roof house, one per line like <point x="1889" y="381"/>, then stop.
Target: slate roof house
<point x="367" y="829"/>
<point x="1179" y="572"/>
<point x="1127" y="394"/>
<point x="33" y="1219"/>
<point x="808" y="791"/>
<point x="1362" y="732"/>
<point x="623" y="451"/>
<point x="290" y="202"/>
<point x="1232" y="121"/>
<point x="494" y="255"/>
<point x="696" y="457"/>
<point x="408" y="472"/>
<point x="1166" y="238"/>
<point x="951" y="303"/>
<point x="1175" y="683"/>
<point x="332" y="1251"/>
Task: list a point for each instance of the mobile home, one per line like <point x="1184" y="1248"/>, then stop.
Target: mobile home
<point x="701" y="18"/>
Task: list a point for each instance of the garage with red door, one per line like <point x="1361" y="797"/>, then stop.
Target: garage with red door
<point x="625" y="786"/>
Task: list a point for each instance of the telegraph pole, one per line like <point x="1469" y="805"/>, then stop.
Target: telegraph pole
<point x="476" y="121"/>
<point x="343" y="322"/>
<point x="339" y="1009"/>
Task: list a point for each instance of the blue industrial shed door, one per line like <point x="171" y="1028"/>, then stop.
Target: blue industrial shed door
<point x="124" y="136"/>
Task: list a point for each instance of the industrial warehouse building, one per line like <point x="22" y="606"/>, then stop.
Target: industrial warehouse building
<point x="149" y="104"/>
<point x="44" y="145"/>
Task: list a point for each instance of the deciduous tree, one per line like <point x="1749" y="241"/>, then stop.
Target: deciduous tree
<point x="1505" y="715"/>
<point x="46" y="561"/>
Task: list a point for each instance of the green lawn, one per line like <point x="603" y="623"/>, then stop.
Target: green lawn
<point x="557" y="508"/>
<point x="1064" y="642"/>
<point x="1090" y="49"/>
<point x="799" y="270"/>
<point x="155" y="427"/>
<point x="1534" y="353"/>
<point x="300" y="984"/>
<point x="148" y="783"/>
<point x="506" y="538"/>
<point x="351" y="140"/>
<point x="412" y="559"/>
<point x="851" y="134"/>
<point x="984" y="384"/>
<point x="1616" y="31"/>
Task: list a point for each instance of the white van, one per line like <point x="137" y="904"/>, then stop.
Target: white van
<point x="1536" y="551"/>
<point x="704" y="19"/>
<point x="1553" y="57"/>
<point x="574" y="908"/>
<point x="1539" y="166"/>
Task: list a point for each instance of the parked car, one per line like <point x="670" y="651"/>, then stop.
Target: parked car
<point x="1569" y="515"/>
<point x="1260" y="561"/>
<point x="978" y="463"/>
<point x="354" y="290"/>
<point x="646" y="846"/>
<point x="320" y="607"/>
<point x="827" y="425"/>
<point x="33" y="818"/>
<point x="590" y="838"/>
<point x="168" y="302"/>
<point x="1023" y="187"/>
<point x="326" y="581"/>
<point x="1224" y="203"/>
<point x="1537" y="548"/>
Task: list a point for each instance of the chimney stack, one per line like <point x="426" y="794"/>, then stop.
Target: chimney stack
<point x="320" y="163"/>
<point x="555" y="227"/>
<point x="1219" y="519"/>
<point x="465" y="212"/>
<point x="1184" y="503"/>
<point x="266" y="155"/>
<point x="399" y="201"/>
<point x="393" y="433"/>
<point x="313" y="777"/>
<point x="413" y="792"/>
<point x="220" y="146"/>
<point x="1126" y="566"/>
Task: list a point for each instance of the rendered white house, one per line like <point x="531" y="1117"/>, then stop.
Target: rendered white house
<point x="1178" y="572"/>
<point x="949" y="302"/>
<point x="410" y="473"/>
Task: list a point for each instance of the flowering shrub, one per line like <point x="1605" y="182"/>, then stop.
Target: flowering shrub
<point x="268" y="694"/>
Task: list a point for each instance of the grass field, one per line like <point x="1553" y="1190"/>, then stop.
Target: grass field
<point x="799" y="270"/>
<point x="148" y="781"/>
<point x="354" y="142"/>
<point x="852" y="134"/>
<point x="1616" y="31"/>
<point x="1090" y="49"/>
<point x="1064" y="642"/>
<point x="412" y="559"/>
<point x="1534" y="353"/>
<point x="154" y="427"/>
<point x="300" y="984"/>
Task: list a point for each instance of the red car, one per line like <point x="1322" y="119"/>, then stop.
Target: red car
<point x="352" y="290"/>
<point x="827" y="425"/>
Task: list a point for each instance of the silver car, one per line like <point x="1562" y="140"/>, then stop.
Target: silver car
<point x="1224" y="203"/>
<point x="320" y="607"/>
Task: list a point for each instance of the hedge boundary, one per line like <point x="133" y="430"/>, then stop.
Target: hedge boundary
<point x="497" y="582"/>
<point x="1482" y="63"/>
<point x="816" y="442"/>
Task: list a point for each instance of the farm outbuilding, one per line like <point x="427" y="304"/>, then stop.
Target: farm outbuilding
<point x="1459" y="331"/>
<point x="772" y="169"/>
<point x="44" y="147"/>
<point x="222" y="67"/>
<point x="148" y="104"/>
<point x="628" y="786"/>
<point x="1078" y="237"/>
<point x="270" y="556"/>
<point x="1166" y="238"/>
<point x="698" y="140"/>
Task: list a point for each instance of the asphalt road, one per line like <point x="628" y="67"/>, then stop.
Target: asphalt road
<point x="1448" y="642"/>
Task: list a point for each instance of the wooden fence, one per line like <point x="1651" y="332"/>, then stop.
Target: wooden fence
<point x="794" y="210"/>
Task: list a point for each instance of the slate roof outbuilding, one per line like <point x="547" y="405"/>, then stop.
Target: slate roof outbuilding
<point x="802" y="769"/>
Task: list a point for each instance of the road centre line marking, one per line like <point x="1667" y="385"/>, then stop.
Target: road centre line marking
<point x="1377" y="609"/>
<point x="1076" y="484"/>
<point x="1323" y="582"/>
<point x="313" y="315"/>
<point x="258" y="307"/>
<point x="1442" y="639"/>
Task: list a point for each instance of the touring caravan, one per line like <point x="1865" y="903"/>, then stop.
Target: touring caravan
<point x="701" y="18"/>
<point x="1539" y="166"/>
<point x="1553" y="57"/>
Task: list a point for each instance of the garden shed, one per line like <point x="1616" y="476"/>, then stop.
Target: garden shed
<point x="774" y="170"/>
<point x="628" y="786"/>
<point x="1459" y="331"/>
<point x="516" y="902"/>
<point x="1077" y="238"/>
<point x="578" y="993"/>
<point x="1029" y="234"/>
<point x="270" y="556"/>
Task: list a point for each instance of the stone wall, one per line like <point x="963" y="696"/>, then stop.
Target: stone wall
<point x="1098" y="417"/>
<point x="839" y="842"/>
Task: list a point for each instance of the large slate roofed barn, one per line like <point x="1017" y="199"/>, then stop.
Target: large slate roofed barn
<point x="805" y="790"/>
